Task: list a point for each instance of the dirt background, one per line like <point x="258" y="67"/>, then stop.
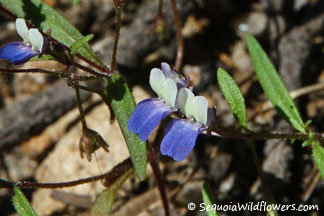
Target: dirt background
<point x="40" y="131"/>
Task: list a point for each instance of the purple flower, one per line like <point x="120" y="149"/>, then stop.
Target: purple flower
<point x="149" y="113"/>
<point x="181" y="134"/>
<point x="20" y="52"/>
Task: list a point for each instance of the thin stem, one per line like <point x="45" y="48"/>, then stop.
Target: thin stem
<point x="160" y="12"/>
<point x="83" y="121"/>
<point x="180" y="48"/>
<point x="50" y="72"/>
<point x="25" y="184"/>
<point x="118" y="8"/>
<point x="111" y="175"/>
<point x="93" y="72"/>
<point x="267" y="193"/>
<point x="161" y="186"/>
<point x="228" y="133"/>
<point x="89" y="89"/>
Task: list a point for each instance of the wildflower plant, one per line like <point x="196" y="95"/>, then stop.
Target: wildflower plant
<point x="45" y="31"/>
<point x="34" y="43"/>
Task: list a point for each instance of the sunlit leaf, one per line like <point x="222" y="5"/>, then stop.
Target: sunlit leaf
<point x="318" y="155"/>
<point x="233" y="96"/>
<point x="103" y="204"/>
<point x="44" y="17"/>
<point x="273" y="85"/>
<point x="21" y="204"/>
<point x="209" y="200"/>
<point x="122" y="102"/>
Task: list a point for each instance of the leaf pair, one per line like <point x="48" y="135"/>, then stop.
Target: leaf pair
<point x="275" y="91"/>
<point x="271" y="84"/>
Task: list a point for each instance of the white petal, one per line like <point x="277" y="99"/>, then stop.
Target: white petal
<point x="157" y="79"/>
<point x="22" y="29"/>
<point x="185" y="98"/>
<point x="199" y="109"/>
<point x="169" y="92"/>
<point x="36" y="39"/>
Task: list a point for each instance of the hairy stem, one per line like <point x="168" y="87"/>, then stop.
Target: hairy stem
<point x="111" y="175"/>
<point x="77" y="94"/>
<point x="118" y="8"/>
<point x="50" y="72"/>
<point x="229" y="133"/>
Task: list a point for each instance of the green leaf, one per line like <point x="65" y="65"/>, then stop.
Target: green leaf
<point x="318" y="155"/>
<point x="21" y="204"/>
<point x="311" y="139"/>
<point x="42" y="58"/>
<point x="273" y="85"/>
<point x="209" y="200"/>
<point x="78" y="44"/>
<point x="233" y="96"/>
<point x="103" y="204"/>
<point x="122" y="103"/>
<point x="44" y="17"/>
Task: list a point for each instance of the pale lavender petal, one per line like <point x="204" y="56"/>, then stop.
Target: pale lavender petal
<point x="180" y="138"/>
<point x="147" y="115"/>
<point x="179" y="79"/>
<point x="166" y="69"/>
<point x="17" y="53"/>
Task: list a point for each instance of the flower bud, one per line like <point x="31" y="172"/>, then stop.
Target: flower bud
<point x="90" y="141"/>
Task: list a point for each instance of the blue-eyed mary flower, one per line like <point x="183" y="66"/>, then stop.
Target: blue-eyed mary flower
<point x="33" y="44"/>
<point x="181" y="134"/>
<point x="150" y="112"/>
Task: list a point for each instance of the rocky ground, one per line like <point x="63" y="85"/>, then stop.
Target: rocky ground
<point x="40" y="131"/>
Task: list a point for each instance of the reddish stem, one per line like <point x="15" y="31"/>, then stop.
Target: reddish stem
<point x="161" y="186"/>
<point x="180" y="48"/>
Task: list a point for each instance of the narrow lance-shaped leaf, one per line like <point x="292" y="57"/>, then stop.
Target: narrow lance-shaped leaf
<point x="273" y="85"/>
<point x="21" y="204"/>
<point x="122" y="103"/>
<point x="209" y="200"/>
<point x="103" y="204"/>
<point x="80" y="43"/>
<point x="318" y="155"/>
<point x="233" y="96"/>
<point x="44" y="17"/>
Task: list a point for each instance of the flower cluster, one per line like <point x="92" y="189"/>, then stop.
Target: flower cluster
<point x="173" y="96"/>
<point x="33" y="44"/>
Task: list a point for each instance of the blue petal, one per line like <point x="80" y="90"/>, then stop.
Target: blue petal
<point x="17" y="53"/>
<point x="180" y="138"/>
<point x="147" y="116"/>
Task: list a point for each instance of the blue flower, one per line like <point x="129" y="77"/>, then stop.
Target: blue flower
<point x="20" y="52"/>
<point x="149" y="113"/>
<point x="181" y="134"/>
